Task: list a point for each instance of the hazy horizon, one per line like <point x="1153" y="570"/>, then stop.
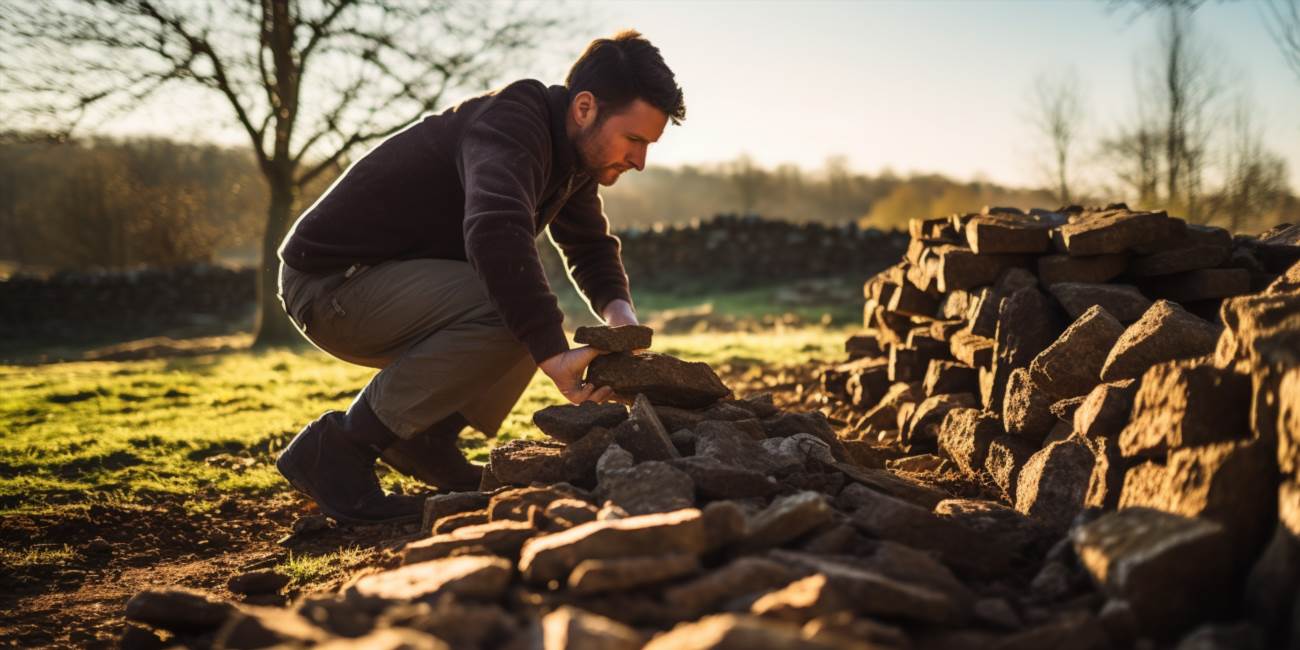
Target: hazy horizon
<point x="909" y="87"/>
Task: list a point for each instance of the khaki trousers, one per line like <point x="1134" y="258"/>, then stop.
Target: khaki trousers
<point x="429" y="327"/>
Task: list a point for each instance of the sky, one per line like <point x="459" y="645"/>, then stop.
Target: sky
<point x="914" y="86"/>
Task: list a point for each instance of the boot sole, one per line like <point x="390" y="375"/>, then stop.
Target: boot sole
<point x="300" y="485"/>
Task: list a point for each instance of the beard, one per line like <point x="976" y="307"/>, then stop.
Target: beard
<point x="587" y="150"/>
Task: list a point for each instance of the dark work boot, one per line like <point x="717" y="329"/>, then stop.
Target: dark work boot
<point x="433" y="457"/>
<point x="332" y="461"/>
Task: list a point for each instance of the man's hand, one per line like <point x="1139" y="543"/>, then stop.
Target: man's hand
<point x="619" y="312"/>
<point x="566" y="370"/>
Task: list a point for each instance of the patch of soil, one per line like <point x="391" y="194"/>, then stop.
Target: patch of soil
<point x="117" y="552"/>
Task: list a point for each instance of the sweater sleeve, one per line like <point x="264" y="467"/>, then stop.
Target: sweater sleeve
<point x="503" y="162"/>
<point x="591" y="253"/>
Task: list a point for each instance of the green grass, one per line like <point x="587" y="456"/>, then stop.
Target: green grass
<point x="307" y="569"/>
<point x="199" y="428"/>
<point x="39" y="556"/>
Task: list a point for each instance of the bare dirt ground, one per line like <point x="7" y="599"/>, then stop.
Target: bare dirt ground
<point x="117" y="552"/>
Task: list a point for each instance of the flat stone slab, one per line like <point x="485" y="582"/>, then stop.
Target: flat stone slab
<point x="502" y="538"/>
<point x="994" y="235"/>
<point x="469" y="576"/>
<point x="570" y="422"/>
<point x="664" y="379"/>
<point x="570" y="627"/>
<point x="1171" y="570"/>
<point x="647" y="488"/>
<point x="524" y="462"/>
<point x="786" y="519"/>
<point x="621" y="574"/>
<point x="624" y="338"/>
<point x="1116" y="231"/>
<point x="875" y="594"/>
<point x="552" y="557"/>
<point x="178" y="609"/>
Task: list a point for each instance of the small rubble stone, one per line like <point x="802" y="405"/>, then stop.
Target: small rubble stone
<point x="875" y="594"/>
<point x="551" y="557"/>
<point x="1071" y="366"/>
<point x="1027" y="408"/>
<point x="1166" y="332"/>
<point x="919" y="463"/>
<point x="896" y="486"/>
<point x="742" y="576"/>
<point x="621" y="574"/>
<point x="647" y="488"/>
<point x="265" y="581"/>
<point x="714" y="479"/>
<point x="801" y="600"/>
<point x="922" y="431"/>
<point x="178" y="610"/>
<point x="623" y="338"/>
<point x="661" y="378"/>
<point x="1108" y="470"/>
<point x="732" y="446"/>
<point x="262" y="627"/>
<point x="965" y="436"/>
<point x="524" y="462"/>
<point x="453" y="503"/>
<point x="1053" y="484"/>
<point x="886" y="517"/>
<point x="468" y="575"/>
<point x="1006" y="456"/>
<point x="568" y="423"/>
<point x="1170" y="570"/>
<point x="460" y="520"/>
<point x="725" y="523"/>
<point x="784" y="425"/>
<point x="786" y="519"/>
<point x="1233" y="483"/>
<point x="515" y="504"/>
<point x="562" y="514"/>
<point x="739" y="632"/>
<point x="502" y="538"/>
<point x="1183" y="404"/>
<point x="1105" y="411"/>
<point x="644" y="435"/>
<point x="573" y="628"/>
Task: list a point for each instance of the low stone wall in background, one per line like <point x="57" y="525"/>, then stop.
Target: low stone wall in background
<point x="723" y="253"/>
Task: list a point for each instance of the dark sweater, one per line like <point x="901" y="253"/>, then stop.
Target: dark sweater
<point x="478" y="183"/>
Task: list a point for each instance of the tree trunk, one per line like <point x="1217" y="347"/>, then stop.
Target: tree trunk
<point x="272" y="326"/>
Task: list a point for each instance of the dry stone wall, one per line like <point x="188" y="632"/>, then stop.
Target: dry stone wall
<point x="723" y="253"/>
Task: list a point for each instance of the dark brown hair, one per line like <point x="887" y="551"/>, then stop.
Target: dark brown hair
<point x="622" y="69"/>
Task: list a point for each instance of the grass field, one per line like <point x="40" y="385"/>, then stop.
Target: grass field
<point x="195" y="428"/>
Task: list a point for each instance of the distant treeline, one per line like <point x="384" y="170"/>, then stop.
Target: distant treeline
<point x="124" y="203"/>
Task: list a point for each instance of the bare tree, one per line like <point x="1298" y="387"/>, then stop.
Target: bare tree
<point x="1058" y="115"/>
<point x="1283" y="20"/>
<point x="1254" y="184"/>
<point x="309" y="82"/>
<point x="749" y="180"/>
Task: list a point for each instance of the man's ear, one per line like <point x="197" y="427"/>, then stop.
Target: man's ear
<point x="583" y="108"/>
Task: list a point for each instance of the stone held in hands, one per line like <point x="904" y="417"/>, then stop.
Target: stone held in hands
<point x="623" y="338"/>
<point x="664" y="379"/>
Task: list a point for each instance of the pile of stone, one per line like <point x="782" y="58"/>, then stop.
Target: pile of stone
<point x="691" y="519"/>
<point x="1123" y="378"/>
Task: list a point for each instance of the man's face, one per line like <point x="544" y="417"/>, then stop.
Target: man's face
<point x="610" y="146"/>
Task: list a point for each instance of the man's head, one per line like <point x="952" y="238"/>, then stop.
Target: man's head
<point x="621" y="96"/>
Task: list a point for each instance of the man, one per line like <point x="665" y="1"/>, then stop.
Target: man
<point x="421" y="260"/>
